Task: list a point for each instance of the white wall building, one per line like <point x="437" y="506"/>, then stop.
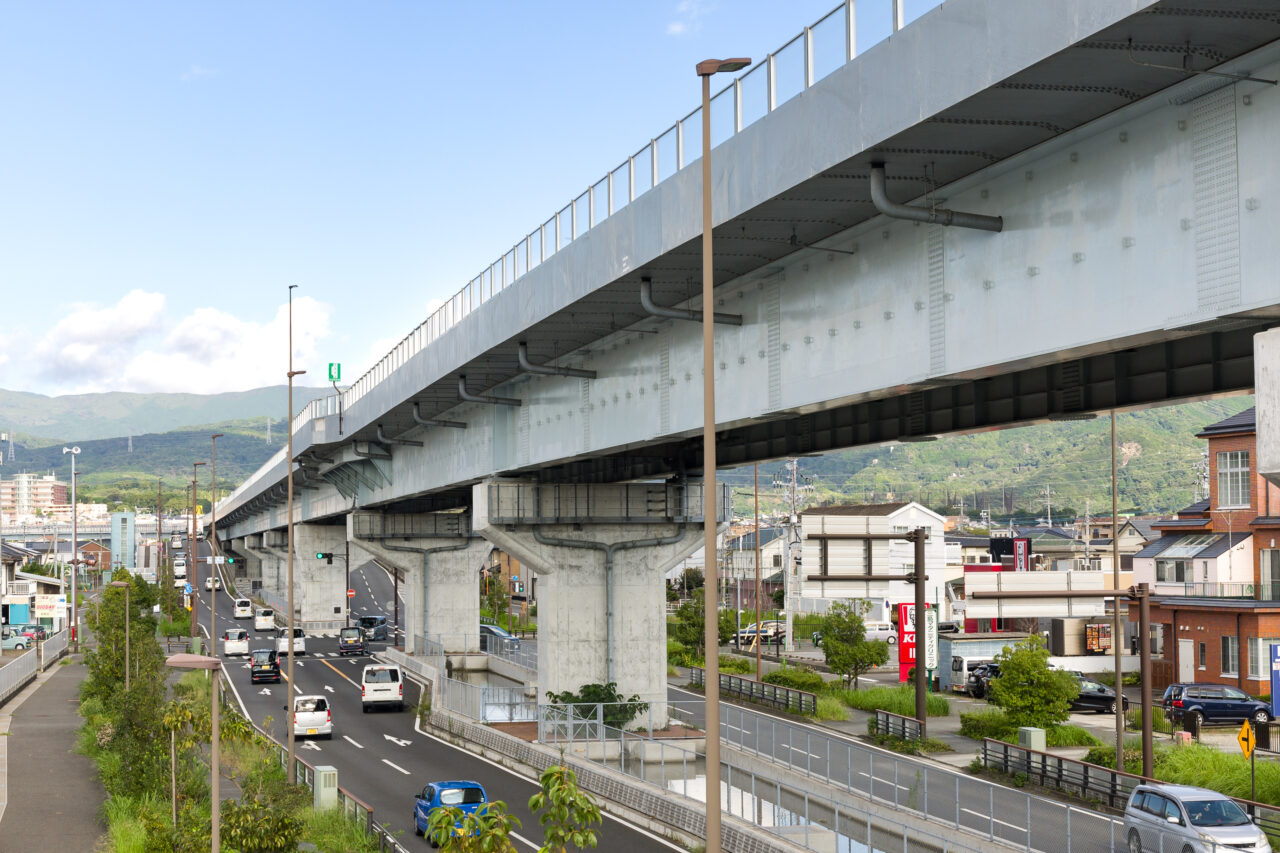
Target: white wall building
<point x="837" y="566"/>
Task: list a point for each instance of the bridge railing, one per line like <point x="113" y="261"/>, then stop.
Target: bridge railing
<point x="786" y="698"/>
<point x="830" y="43"/>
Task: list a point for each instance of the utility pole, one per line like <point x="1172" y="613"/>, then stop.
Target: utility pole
<point x="960" y="506"/>
<point x="1088" y="532"/>
<point x="757" y="491"/>
<point x="792" y="483"/>
<point x="1048" y="504"/>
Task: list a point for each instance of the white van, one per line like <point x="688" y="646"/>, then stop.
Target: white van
<point x="179" y="573"/>
<point x="243" y="609"/>
<point x="264" y="619"/>
<point x="961" y="667"/>
<point x="381" y="684"/>
<point x="882" y="631"/>
<point x="299" y="642"/>
<point x="235" y="641"/>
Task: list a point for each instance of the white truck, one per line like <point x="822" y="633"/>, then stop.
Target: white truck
<point x="179" y="572"/>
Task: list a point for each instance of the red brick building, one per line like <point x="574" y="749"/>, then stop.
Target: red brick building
<point x="1219" y="632"/>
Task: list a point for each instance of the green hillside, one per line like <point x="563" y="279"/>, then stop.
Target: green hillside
<point x="1159" y="466"/>
<point x="92" y="416"/>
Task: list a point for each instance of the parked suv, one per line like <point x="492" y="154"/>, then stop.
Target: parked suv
<point x="1213" y="703"/>
<point x="980" y="677"/>
<point x="1187" y="819"/>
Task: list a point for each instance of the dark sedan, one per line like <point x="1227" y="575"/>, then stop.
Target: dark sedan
<point x="1096" y="697"/>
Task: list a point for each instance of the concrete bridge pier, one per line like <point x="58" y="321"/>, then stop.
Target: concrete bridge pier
<point x="320" y="587"/>
<point x="269" y="562"/>
<point x="600" y="552"/>
<point x="441" y="561"/>
<point x="251" y="564"/>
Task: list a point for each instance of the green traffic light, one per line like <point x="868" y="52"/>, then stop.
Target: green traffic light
<point x="319" y="555"/>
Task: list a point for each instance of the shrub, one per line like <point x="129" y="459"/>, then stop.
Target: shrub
<point x="897" y="700"/>
<point x="618" y="710"/>
<point x="831" y="708"/>
<point x="797" y="678"/>
<point x="1159" y="723"/>
<point x="995" y="724"/>
<point x="736" y="665"/>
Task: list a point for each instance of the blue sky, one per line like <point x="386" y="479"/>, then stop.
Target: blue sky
<point x="167" y="169"/>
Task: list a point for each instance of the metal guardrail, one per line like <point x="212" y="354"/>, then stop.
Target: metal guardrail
<point x="53" y="648"/>
<point x="17" y="673"/>
<point x="784" y="698"/>
<point x="897" y="725"/>
<point x="1091" y="781"/>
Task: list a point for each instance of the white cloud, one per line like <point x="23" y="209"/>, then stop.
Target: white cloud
<point x="688" y="17"/>
<point x="196" y="72"/>
<point x="90" y="341"/>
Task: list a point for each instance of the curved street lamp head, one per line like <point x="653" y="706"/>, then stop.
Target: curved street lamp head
<point x="121" y="584"/>
<point x="217" y="435"/>
<point x="707" y="67"/>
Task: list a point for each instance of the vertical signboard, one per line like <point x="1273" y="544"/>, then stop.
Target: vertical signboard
<point x="906" y="640"/>
<point x="1021" y="555"/>
<point x="1275" y="680"/>
<point x="930" y="639"/>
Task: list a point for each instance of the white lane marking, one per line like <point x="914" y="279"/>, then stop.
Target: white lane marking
<point x="396" y="766"/>
<point x="982" y="816"/>
<point x="308" y="744"/>
<point x="417" y="726"/>
<point x="397" y="741"/>
<point x="327" y="689"/>
<point x="353" y="743"/>
<point x="298" y="689"/>
<point x="263" y="692"/>
<point x="524" y="841"/>
<point x="883" y="781"/>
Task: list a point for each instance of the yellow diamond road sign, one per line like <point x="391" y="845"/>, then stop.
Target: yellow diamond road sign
<point x="1246" y="739"/>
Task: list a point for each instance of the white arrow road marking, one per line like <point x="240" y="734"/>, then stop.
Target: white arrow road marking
<point x="397" y="740"/>
<point x="397" y="767"/>
<point x="264" y="692"/>
<point x="309" y="744"/>
<point x="328" y="689"/>
<point x="353" y="743"/>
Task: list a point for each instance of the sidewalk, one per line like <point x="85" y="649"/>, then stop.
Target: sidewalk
<point x="47" y="791"/>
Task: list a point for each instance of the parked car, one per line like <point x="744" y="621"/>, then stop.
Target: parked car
<point x="35" y="632"/>
<point x="312" y="717"/>
<point x="770" y="631"/>
<point x="264" y="619"/>
<point x="1097" y="697"/>
<point x="264" y="665"/>
<point x="235" y="641"/>
<point x="11" y="639"/>
<point x="243" y="609"/>
<point x="950" y="628"/>
<point x="381" y="684"/>
<point x="374" y="627"/>
<point x="493" y="638"/>
<point x="213" y="582"/>
<point x="1188" y="820"/>
<point x="1213" y="703"/>
<point x="351" y="642"/>
<point x="466" y="796"/>
<point x="882" y="631"/>
<point x="299" y="641"/>
<point x="980" y="676"/>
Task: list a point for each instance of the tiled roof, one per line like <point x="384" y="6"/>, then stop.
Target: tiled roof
<point x="1153" y="548"/>
<point x="1246" y="421"/>
<point x="748" y="540"/>
<point x="966" y="540"/>
<point x="1183" y="522"/>
<point x="1266" y="521"/>
<point x="855" y="509"/>
<point x="1224" y="544"/>
<point x="1197" y="507"/>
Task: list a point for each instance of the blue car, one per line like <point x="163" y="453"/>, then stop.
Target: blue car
<point x="467" y="796"/>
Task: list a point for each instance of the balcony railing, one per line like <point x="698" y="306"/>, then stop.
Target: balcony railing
<point x="1211" y="590"/>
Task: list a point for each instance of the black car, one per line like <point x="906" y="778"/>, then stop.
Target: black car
<point x="980" y="676"/>
<point x="351" y="642"/>
<point x="264" y="665"/>
<point x="1213" y="703"/>
<point x="1096" y="697"/>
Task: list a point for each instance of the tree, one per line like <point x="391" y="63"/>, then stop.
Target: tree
<point x="1031" y="693"/>
<point x="568" y="813"/>
<point x="617" y="711"/>
<point x="691" y="621"/>
<point x="848" y="652"/>
<point x="485" y="830"/>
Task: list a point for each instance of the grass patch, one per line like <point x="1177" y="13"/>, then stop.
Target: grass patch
<point x="909" y="747"/>
<point x="736" y="665"/>
<point x="897" y="700"/>
<point x="992" y="723"/>
<point x="831" y="708"/>
<point x="125" y="828"/>
<point x="333" y="832"/>
<point x="1159" y="722"/>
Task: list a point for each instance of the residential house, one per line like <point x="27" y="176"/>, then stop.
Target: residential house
<point x="739" y="567"/>
<point x="1215" y="571"/>
<point x="836" y="565"/>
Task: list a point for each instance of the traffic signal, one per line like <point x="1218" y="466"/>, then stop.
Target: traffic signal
<point x="327" y="556"/>
<point x="231" y="561"/>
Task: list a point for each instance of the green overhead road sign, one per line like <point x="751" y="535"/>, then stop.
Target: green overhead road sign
<point x="335" y="371"/>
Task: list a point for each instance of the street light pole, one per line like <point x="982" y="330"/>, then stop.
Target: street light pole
<point x="193" y="574"/>
<point x="710" y="502"/>
<point x="75" y="537"/>
<point x="289" y="477"/>
<point x="214" y="666"/>
<point x="127" y="608"/>
<point x="213" y="538"/>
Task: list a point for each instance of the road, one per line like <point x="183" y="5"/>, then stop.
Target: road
<point x="380" y="756"/>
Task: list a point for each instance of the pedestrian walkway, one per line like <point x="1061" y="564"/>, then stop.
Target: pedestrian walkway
<point x="48" y="793"/>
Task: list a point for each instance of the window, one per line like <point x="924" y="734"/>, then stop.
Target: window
<point x="1260" y="657"/>
<point x="777" y="561"/>
<point x="1234" y="694"/>
<point x="1173" y="571"/>
<point x="1230" y="656"/>
<point x="1202" y="655"/>
<point x="1233" y="478"/>
<point x="1269" y="574"/>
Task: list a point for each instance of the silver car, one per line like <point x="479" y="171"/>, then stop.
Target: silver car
<point x="1188" y="820"/>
